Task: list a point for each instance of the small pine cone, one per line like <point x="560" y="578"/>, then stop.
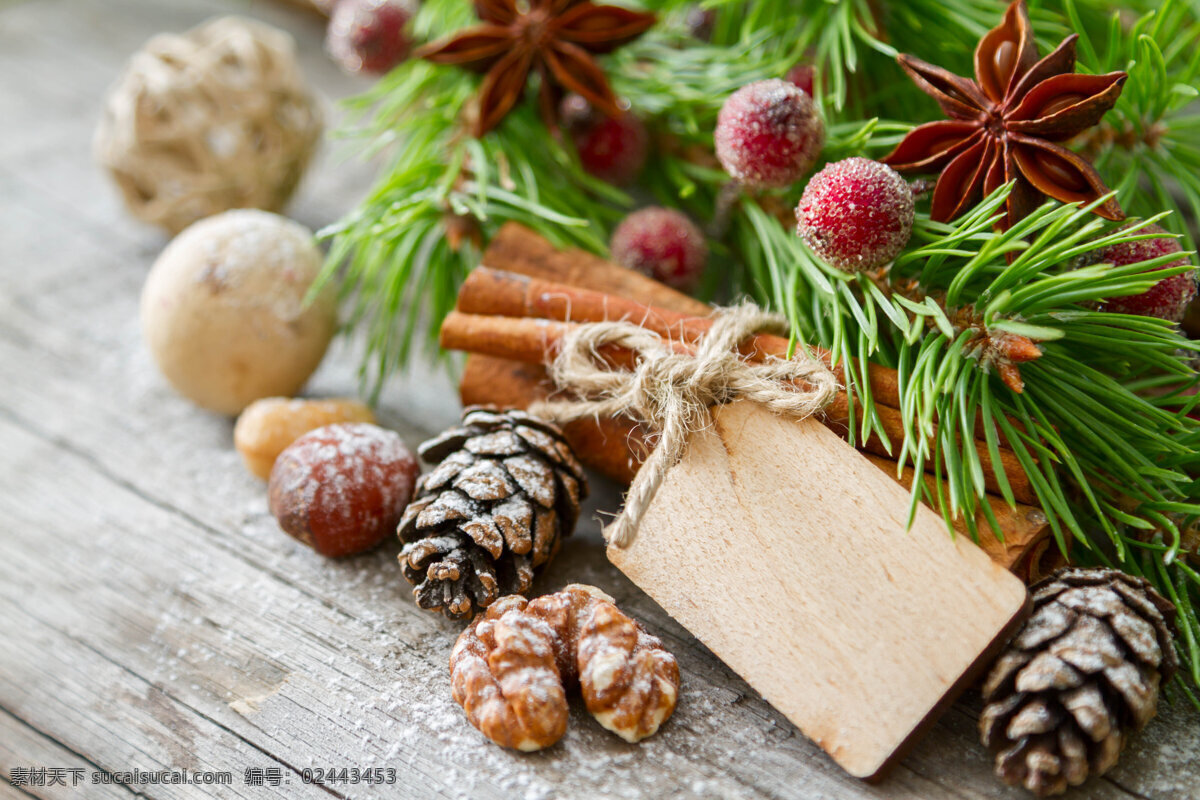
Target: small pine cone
<point x="506" y="487"/>
<point x="1082" y="674"/>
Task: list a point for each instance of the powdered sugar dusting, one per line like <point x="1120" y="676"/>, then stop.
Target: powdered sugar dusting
<point x="856" y="214"/>
<point x="769" y="134"/>
<point x="252" y="257"/>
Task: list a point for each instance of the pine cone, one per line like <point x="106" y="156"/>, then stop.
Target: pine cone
<point x="506" y="487"/>
<point x="1082" y="674"/>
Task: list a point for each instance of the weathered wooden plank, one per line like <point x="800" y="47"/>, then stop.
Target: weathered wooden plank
<point x="364" y="610"/>
<point x="21" y="746"/>
<point x="272" y="666"/>
<point x="1164" y="760"/>
<point x="130" y="724"/>
<point x="194" y="468"/>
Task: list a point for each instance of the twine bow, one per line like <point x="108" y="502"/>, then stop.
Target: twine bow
<point x="670" y="391"/>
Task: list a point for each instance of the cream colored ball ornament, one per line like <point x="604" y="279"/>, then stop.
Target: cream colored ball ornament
<point x="224" y="314"/>
<point x="216" y="118"/>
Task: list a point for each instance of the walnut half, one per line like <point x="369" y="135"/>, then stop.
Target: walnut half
<point x="511" y="668"/>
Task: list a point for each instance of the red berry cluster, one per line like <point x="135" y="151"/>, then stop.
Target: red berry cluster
<point x="768" y="134"/>
<point x="611" y="148"/>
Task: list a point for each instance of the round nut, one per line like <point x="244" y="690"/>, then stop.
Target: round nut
<point x="225" y="310"/>
<point x="341" y="489"/>
<point x="269" y="425"/>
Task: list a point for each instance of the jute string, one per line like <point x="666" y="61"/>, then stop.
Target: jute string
<point x="670" y="393"/>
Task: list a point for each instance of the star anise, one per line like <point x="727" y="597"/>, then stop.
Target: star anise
<point x="1005" y="125"/>
<point x="555" y="38"/>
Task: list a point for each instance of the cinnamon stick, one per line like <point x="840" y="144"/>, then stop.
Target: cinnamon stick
<point x="612" y="447"/>
<point x="509" y="294"/>
<point x="535" y="341"/>
<point x="516" y="248"/>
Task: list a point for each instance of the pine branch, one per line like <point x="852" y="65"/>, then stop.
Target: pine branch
<point x="396" y="264"/>
<point x="1152" y="136"/>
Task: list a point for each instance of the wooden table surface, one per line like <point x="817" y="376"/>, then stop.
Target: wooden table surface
<point x="152" y="616"/>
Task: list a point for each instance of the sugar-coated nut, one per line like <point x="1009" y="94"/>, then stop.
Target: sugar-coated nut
<point x="341" y="489"/>
<point x="511" y="667"/>
<point x="269" y="425"/>
<point x="225" y="311"/>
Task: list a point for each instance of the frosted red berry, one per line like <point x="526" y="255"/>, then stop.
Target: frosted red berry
<point x="768" y="134"/>
<point x="856" y="214"/>
<point x="369" y="35"/>
<point x="662" y="243"/>
<point x="611" y="148"/>
<point x="802" y="75"/>
<point x="342" y="489"/>
<point x="1169" y="298"/>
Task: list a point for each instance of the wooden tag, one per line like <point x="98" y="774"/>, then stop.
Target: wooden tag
<point x="785" y="551"/>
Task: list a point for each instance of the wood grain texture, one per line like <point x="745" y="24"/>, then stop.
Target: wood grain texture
<point x="151" y="613"/>
<point x="845" y="621"/>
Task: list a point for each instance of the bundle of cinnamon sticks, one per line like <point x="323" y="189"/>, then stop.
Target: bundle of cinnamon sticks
<point x="513" y="311"/>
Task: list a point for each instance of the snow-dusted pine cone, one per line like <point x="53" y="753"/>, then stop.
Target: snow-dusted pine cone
<point x="1083" y="673"/>
<point x="506" y="487"/>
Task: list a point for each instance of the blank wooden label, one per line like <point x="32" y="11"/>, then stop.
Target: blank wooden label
<point x="785" y="552"/>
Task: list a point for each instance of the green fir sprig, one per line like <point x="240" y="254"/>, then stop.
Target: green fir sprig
<point x="397" y="267"/>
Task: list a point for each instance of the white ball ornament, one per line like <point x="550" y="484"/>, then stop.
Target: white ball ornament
<point x="223" y="310"/>
<point x="213" y="119"/>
